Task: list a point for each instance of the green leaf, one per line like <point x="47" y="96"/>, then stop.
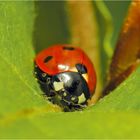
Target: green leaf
<point x="125" y="98"/>
<point x="18" y="88"/>
<point x="24" y="113"/>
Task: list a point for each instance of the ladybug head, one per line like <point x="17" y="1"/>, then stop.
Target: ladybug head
<point x="72" y="87"/>
<point x="69" y="87"/>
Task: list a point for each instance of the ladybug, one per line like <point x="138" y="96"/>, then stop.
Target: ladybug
<point x="66" y="75"/>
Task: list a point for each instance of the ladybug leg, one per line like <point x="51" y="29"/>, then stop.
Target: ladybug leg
<point x="71" y="102"/>
<point x="74" y="99"/>
<point x="45" y="82"/>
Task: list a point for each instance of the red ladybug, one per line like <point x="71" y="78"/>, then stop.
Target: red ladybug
<point x="66" y="75"/>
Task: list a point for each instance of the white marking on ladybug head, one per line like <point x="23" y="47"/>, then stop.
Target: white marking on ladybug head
<point x="85" y="76"/>
<point x="58" y="85"/>
<point x="81" y="98"/>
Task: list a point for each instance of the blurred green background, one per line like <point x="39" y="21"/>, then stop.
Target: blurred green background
<point x="51" y="25"/>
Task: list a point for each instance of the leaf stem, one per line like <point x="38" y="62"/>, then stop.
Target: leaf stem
<point x="84" y="33"/>
<point x="127" y="52"/>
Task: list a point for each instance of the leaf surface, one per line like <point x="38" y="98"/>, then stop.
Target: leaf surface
<point x="18" y="88"/>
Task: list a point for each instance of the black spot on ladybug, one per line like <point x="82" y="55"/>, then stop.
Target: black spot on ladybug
<point x="47" y="59"/>
<point x="68" y="48"/>
<point x="81" y="68"/>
